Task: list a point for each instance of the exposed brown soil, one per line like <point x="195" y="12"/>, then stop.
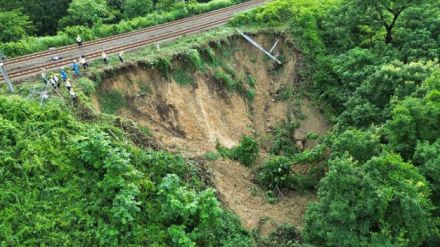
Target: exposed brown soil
<point x="234" y="184"/>
<point x="191" y="119"/>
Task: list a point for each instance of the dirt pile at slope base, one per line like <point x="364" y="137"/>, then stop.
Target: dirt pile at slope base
<point x="192" y="119"/>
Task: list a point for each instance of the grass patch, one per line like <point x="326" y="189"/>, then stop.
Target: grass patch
<point x="183" y="78"/>
<point x="226" y="79"/>
<point x="145" y="130"/>
<point x="111" y="101"/>
<point x="194" y="58"/>
<point x="145" y="90"/>
<point x="212" y="156"/>
<point x="250" y="94"/>
<point x="286" y="93"/>
<point x="251" y="81"/>
<point x="86" y="85"/>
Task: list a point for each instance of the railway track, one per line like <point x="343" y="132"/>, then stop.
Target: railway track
<point x="210" y="20"/>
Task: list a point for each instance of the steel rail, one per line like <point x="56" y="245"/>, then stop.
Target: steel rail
<point x="132" y="33"/>
<point x="91" y="56"/>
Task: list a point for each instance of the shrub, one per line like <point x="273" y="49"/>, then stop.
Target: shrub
<point x="251" y="81"/>
<point x="275" y="174"/>
<point x="283" y="142"/>
<point x="163" y="64"/>
<point x="246" y="152"/>
<point x="250" y="94"/>
<point x="284" y="236"/>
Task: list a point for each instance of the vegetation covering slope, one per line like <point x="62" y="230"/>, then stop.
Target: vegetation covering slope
<point x="70" y="183"/>
<point x="375" y="65"/>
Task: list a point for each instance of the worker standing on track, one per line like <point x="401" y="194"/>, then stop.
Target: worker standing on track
<point x="63" y="74"/>
<point x="121" y="56"/>
<point x="79" y="41"/>
<point x="75" y="68"/>
<point x="83" y="62"/>
<point x="104" y="57"/>
<point x="44" y="76"/>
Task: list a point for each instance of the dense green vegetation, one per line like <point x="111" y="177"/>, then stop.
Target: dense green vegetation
<point x="83" y="184"/>
<point x="375" y="65"/>
<point x="246" y="152"/>
<point x="91" y="19"/>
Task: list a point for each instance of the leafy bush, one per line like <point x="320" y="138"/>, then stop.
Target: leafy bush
<point x="395" y="208"/>
<point x="78" y="184"/>
<point x="361" y="145"/>
<point x="246" y="152"/>
<point x="250" y="94"/>
<point x="283" y="142"/>
<point x="275" y="174"/>
<point x="284" y="236"/>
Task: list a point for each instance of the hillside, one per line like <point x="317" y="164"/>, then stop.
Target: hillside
<point x="206" y="141"/>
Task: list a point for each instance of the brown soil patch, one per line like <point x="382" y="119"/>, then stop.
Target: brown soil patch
<point x="191" y="119"/>
<point x="233" y="182"/>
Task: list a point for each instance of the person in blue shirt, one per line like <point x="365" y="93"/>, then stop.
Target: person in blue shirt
<point x="63" y="74"/>
<point x="75" y="68"/>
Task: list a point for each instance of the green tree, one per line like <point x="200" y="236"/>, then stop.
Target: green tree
<point x="386" y="12"/>
<point x="428" y="159"/>
<point x="85" y="12"/>
<point x="417" y="34"/>
<point x="373" y="99"/>
<point x="44" y="14"/>
<point x="381" y="203"/>
<point x="414" y="120"/>
<point x="134" y="8"/>
<point x="14" y="25"/>
<point x="361" y="145"/>
<point x="164" y="4"/>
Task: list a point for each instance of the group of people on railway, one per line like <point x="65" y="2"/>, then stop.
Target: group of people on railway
<point x="103" y="55"/>
<point x="54" y="79"/>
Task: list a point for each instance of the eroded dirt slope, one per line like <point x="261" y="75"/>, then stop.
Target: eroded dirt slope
<point x="191" y="119"/>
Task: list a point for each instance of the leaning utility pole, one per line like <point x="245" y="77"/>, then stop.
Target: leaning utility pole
<point x="5" y="74"/>
<point x="254" y="43"/>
